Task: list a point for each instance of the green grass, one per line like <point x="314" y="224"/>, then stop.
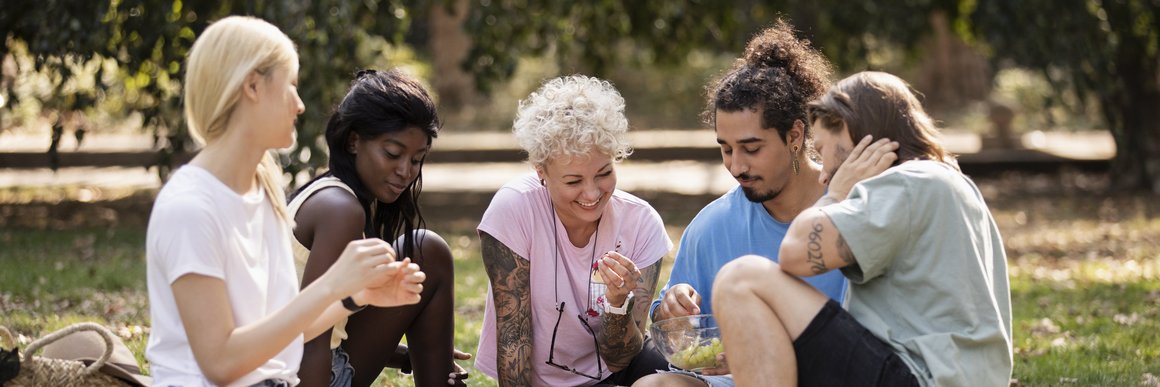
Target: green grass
<point x="1085" y="286"/>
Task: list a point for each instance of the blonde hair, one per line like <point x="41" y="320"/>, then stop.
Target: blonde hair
<point x="218" y="63"/>
<point x="569" y="116"/>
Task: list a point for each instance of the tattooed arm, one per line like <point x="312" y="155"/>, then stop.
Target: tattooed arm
<point x="813" y="246"/>
<point x="510" y="287"/>
<point x="623" y="335"/>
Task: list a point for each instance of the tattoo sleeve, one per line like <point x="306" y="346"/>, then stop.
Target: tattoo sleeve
<point x="623" y="335"/>
<point x="509" y="275"/>
<point x="814" y="250"/>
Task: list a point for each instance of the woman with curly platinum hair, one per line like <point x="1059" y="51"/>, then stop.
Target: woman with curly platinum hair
<point x="569" y="256"/>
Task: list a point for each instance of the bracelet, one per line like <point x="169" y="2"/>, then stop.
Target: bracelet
<point x="352" y="306"/>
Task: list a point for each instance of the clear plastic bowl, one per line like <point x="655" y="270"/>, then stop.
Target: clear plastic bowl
<point x="690" y="343"/>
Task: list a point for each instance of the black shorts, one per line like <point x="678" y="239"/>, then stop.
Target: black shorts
<point x="836" y="350"/>
<point x="645" y="363"/>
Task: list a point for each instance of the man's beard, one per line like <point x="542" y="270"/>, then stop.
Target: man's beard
<point x="759" y="197"/>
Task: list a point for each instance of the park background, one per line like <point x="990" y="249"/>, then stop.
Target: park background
<point x="1054" y="108"/>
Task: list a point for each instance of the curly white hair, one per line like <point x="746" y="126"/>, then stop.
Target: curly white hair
<point x="569" y="116"/>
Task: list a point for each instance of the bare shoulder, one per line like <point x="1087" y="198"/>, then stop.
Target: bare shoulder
<point x="332" y="209"/>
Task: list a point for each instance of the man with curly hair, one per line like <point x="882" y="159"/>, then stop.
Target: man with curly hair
<point x="758" y="110"/>
<point x="929" y="301"/>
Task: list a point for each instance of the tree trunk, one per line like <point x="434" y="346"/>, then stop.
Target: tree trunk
<point x="449" y="45"/>
<point x="1137" y="132"/>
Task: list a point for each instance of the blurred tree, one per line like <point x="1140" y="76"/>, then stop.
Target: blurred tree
<point x="1106" y="49"/>
<point x="149" y="39"/>
<point x="585" y="35"/>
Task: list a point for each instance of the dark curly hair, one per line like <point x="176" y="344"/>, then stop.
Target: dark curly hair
<point x="778" y="75"/>
<point x="378" y="103"/>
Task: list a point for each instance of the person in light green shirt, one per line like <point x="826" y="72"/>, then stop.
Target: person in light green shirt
<point x="929" y="302"/>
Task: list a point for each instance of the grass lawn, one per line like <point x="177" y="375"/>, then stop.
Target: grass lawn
<point x="1085" y="280"/>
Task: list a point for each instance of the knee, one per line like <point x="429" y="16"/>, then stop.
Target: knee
<point x="654" y="380"/>
<point x="741" y="275"/>
<point x="432" y="252"/>
<point x="428" y="247"/>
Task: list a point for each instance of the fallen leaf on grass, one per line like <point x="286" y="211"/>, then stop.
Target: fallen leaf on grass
<point x="1043" y="327"/>
<point x="1126" y="320"/>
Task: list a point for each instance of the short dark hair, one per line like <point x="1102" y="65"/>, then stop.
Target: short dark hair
<point x="778" y="74"/>
<point x="381" y="102"/>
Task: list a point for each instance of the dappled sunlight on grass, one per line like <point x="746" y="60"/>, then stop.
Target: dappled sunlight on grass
<point x="1066" y="273"/>
<point x="1084" y="268"/>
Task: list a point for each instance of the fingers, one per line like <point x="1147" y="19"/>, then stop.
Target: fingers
<point x="460" y="355"/>
<point x="860" y="147"/>
<point x="622" y="272"/>
<point x="681" y="300"/>
<point x="374" y="249"/>
<point x="875" y="151"/>
<point x="688" y="304"/>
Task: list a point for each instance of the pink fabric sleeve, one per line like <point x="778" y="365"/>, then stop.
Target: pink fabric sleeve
<point x="653" y="240"/>
<point x="508" y="220"/>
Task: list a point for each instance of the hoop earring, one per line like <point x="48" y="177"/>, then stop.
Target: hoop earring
<point x="794" y="163"/>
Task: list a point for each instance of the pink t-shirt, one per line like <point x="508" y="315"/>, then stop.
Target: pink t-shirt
<point x="520" y="216"/>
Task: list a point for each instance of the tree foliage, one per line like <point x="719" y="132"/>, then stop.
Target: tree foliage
<point x="586" y="35"/>
<point x="1105" y="49"/>
<point x="149" y="39"/>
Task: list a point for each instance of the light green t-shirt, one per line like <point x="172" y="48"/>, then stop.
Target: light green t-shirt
<point x="931" y="273"/>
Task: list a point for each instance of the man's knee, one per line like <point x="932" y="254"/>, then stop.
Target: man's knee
<point x="742" y="276"/>
<point x="662" y="379"/>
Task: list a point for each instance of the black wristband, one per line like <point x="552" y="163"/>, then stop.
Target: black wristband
<point x="352" y="306"/>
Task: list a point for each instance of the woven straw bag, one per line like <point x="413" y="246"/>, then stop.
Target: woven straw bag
<point x="41" y="371"/>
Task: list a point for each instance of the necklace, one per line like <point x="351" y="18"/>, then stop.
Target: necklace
<point x="556" y="261"/>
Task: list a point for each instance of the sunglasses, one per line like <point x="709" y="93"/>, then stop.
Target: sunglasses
<point x="552" y="351"/>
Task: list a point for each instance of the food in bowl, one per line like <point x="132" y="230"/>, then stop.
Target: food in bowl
<point x="698" y="357"/>
<point x="691" y="343"/>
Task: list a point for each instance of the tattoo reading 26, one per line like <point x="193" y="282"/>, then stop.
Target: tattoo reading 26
<point x="814" y="255"/>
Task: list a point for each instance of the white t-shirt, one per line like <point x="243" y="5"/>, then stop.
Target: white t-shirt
<point x="200" y="226"/>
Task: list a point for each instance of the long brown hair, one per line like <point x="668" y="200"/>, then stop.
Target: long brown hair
<point x="881" y="105"/>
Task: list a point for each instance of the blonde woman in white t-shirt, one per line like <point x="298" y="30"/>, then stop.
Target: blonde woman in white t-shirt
<point x="223" y="293"/>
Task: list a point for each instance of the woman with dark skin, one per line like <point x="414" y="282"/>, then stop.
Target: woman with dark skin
<point x="378" y="137"/>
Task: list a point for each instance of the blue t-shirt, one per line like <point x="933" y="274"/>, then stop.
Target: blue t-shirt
<point x="728" y="228"/>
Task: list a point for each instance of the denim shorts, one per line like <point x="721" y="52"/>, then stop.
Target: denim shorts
<point x="341" y="372"/>
<point x="836" y="350"/>
<point x="711" y="380"/>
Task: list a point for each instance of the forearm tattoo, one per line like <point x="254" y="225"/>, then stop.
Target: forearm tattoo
<point x="623" y="335"/>
<point x="814" y="247"/>
<point x="509" y="275"/>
